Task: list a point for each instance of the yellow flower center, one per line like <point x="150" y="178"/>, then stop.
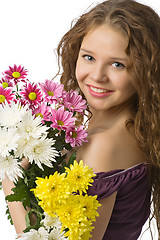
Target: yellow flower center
<point x="2" y="98"/>
<point x="77" y="176"/>
<point x="39" y="114"/>
<point x="16" y="74"/>
<point x="74" y="134"/>
<point x="50" y="93"/>
<point x="59" y="122"/>
<point x="5" y="84"/>
<point x="53" y="187"/>
<point x="32" y="95"/>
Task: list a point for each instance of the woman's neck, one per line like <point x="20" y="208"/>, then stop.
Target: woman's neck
<point x="110" y="118"/>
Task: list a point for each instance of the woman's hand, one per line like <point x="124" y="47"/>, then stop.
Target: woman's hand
<point x="25" y="163"/>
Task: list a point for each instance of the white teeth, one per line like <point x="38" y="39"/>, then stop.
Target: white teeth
<point x="98" y="90"/>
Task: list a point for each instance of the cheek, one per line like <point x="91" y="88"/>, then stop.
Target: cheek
<point x="124" y="85"/>
<point x="128" y="88"/>
<point x="78" y="74"/>
<point x="123" y="82"/>
<point x="77" y="71"/>
<point x="81" y="71"/>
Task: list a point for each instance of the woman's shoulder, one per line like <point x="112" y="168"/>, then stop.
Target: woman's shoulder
<point x="109" y="150"/>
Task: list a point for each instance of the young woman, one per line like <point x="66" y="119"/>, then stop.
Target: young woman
<point x="111" y="56"/>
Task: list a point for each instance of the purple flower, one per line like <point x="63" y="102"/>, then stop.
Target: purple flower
<point x="52" y="90"/>
<point x="43" y="111"/>
<point x="62" y="119"/>
<point x="74" y="102"/>
<point x="76" y="136"/>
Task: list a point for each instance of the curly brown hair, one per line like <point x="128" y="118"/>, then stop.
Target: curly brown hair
<point x="142" y="26"/>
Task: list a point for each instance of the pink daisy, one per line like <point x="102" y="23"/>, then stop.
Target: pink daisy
<point x="21" y="101"/>
<point x="76" y="136"/>
<point x="43" y="111"/>
<point x="6" y="83"/>
<point x="62" y="119"/>
<point x="52" y="90"/>
<point x="74" y="102"/>
<point x="16" y="73"/>
<point x="6" y="94"/>
<point x="32" y="94"/>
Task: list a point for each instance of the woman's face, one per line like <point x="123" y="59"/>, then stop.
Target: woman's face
<point x="101" y="69"/>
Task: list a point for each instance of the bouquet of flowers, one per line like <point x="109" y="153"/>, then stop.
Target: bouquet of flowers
<point x="39" y="121"/>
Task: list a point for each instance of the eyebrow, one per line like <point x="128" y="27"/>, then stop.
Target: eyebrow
<point x="112" y="58"/>
<point x="85" y="50"/>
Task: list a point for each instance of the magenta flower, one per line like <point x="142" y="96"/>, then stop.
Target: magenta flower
<point x="21" y="101"/>
<point x="43" y="111"/>
<point x="52" y="90"/>
<point x="6" y="95"/>
<point x="6" y="83"/>
<point x="32" y="94"/>
<point x="76" y="136"/>
<point x="74" y="102"/>
<point x="16" y="73"/>
<point x="62" y="119"/>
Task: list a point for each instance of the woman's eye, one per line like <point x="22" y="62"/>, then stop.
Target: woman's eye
<point x="118" y="65"/>
<point x="88" y="57"/>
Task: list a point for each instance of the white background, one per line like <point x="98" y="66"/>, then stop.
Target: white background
<point x="30" y="31"/>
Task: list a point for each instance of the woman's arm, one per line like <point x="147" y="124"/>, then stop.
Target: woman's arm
<point x="16" y="209"/>
<point x="98" y="154"/>
<point x="105" y="211"/>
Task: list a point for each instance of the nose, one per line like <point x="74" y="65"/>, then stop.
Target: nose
<point x="99" y="73"/>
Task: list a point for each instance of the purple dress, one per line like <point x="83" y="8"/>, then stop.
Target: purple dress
<point x="132" y="205"/>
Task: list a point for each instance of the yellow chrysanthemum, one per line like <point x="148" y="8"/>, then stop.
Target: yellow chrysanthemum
<point x="70" y="213"/>
<point x="49" y="207"/>
<point x="51" y="187"/>
<point x="57" y="198"/>
<point x="79" y="176"/>
<point x="86" y="235"/>
<point x="81" y="231"/>
<point x="72" y="217"/>
<point x="89" y="205"/>
<point x="51" y="191"/>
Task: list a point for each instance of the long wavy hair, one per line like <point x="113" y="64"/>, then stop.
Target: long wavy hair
<point x="142" y="26"/>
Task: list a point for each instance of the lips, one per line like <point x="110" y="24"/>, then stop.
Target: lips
<point x="99" y="92"/>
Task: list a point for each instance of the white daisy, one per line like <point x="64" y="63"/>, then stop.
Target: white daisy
<point x="8" y="142"/>
<point x="33" y="234"/>
<point x="9" y="166"/>
<point x="49" y="222"/>
<point x="11" y="115"/>
<point x="56" y="234"/>
<point x="41" y="151"/>
<point x="31" y="126"/>
<point x="22" y="144"/>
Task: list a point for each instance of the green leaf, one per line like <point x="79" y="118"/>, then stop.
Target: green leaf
<point x="37" y="225"/>
<point x="27" y="219"/>
<point x="21" y="193"/>
<point x="72" y="158"/>
<point x="9" y="215"/>
<point x="65" y="164"/>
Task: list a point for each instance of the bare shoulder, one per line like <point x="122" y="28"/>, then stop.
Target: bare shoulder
<point x="110" y="149"/>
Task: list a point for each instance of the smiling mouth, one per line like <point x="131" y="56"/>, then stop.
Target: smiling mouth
<point x="98" y="90"/>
